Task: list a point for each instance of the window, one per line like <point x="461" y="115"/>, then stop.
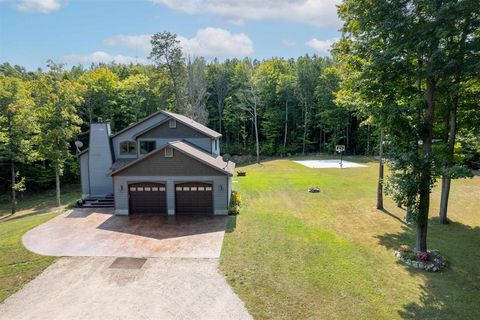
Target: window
<point x="148" y="189"/>
<point x="178" y="188"/>
<point x="133" y="189"/>
<point x="128" y="148"/>
<point x="154" y="188"/>
<point x="216" y="144"/>
<point x="147" y="146"/>
<point x="168" y="152"/>
<point x="172" y="123"/>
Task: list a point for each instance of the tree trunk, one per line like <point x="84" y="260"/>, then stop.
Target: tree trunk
<point x="368" y="140"/>
<point x="426" y="175"/>
<point x="451" y="149"/>
<point x="421" y="241"/>
<point x="347" y="135"/>
<point x="220" y="119"/>
<point x="305" y="129"/>
<point x="286" y="126"/>
<point x="256" y="133"/>
<point x="57" y="187"/>
<point x="380" y="174"/>
<point x="14" y="194"/>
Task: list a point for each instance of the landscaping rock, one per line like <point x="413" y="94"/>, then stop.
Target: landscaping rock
<point x="434" y="263"/>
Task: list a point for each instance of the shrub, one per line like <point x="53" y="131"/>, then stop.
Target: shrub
<point x="422" y="256"/>
<point x="235" y="203"/>
<point x="408" y="255"/>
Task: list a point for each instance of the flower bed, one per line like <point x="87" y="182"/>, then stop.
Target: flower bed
<point x="430" y="261"/>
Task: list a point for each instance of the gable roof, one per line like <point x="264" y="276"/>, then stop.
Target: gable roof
<point x="191" y="151"/>
<point x="193" y="124"/>
<point x="181" y="118"/>
<point x="120" y="163"/>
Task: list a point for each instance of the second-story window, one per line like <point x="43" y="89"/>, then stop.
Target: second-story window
<point x="147" y="146"/>
<point x="172" y="123"/>
<point x="128" y="148"/>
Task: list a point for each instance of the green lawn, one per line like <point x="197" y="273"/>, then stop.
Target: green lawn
<point x="291" y="254"/>
<point x="18" y="265"/>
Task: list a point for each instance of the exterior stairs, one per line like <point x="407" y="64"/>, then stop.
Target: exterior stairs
<point x="97" y="202"/>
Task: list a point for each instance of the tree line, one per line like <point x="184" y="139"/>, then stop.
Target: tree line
<point x="262" y="108"/>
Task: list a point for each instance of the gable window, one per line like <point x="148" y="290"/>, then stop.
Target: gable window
<point x="147" y="146"/>
<point x="172" y="123"/>
<point x="168" y="152"/>
<point x="128" y="148"/>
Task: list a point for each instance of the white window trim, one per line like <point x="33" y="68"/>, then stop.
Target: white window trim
<point x="139" y="151"/>
<point x="170" y="153"/>
<point x="120" y="148"/>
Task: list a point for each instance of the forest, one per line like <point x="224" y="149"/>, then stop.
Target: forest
<point x="294" y="101"/>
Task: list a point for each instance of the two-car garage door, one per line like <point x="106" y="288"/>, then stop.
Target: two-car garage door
<point x="190" y="198"/>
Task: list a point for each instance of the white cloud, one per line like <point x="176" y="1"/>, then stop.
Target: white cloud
<point x="289" y="43"/>
<point x="322" y="47"/>
<point x="215" y="42"/>
<point x="102" y="57"/>
<point x="139" y="42"/>
<point x="208" y="43"/>
<point x="39" y="6"/>
<point x="321" y="13"/>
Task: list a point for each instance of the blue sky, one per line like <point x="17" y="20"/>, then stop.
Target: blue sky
<point x="85" y="31"/>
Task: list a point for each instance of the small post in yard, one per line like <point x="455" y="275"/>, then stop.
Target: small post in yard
<point x="340" y="148"/>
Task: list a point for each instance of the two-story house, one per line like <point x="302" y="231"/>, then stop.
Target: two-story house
<point x="164" y="163"/>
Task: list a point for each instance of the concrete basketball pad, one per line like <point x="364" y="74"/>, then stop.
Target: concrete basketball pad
<point x="329" y="164"/>
<point x="97" y="232"/>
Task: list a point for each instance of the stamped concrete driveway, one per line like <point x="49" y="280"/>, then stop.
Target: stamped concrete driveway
<point x="127" y="268"/>
<point x="97" y="232"/>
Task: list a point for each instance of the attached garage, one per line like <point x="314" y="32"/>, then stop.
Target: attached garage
<point x="176" y="178"/>
<point x="193" y="198"/>
<point x="147" y="197"/>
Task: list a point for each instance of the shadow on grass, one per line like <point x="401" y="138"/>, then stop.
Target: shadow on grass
<point x="452" y="293"/>
<point x="36" y="204"/>
<point x="388" y="213"/>
<point x="231" y="224"/>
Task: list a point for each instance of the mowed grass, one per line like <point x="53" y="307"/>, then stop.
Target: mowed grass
<point x="291" y="254"/>
<point x="18" y="265"/>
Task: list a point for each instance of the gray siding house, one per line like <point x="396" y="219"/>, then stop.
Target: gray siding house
<point x="165" y="163"/>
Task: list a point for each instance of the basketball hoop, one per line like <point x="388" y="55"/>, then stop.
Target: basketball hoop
<point x="340" y="148"/>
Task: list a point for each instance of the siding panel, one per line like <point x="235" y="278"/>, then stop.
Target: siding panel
<point x="178" y="165"/>
<point x="128" y="135"/>
<point x="180" y="132"/>
<point x="84" y="174"/>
